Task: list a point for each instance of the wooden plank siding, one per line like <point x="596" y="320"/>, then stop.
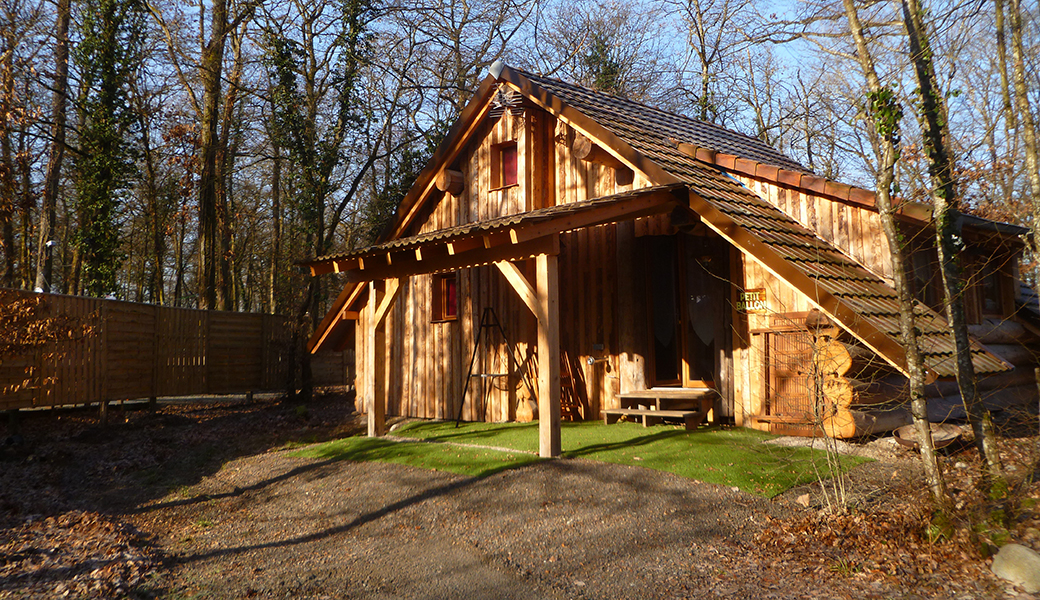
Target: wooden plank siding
<point x="854" y="230"/>
<point x="427" y="361"/>
<point x="142" y="351"/>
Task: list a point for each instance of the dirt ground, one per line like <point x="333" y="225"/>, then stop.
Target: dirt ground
<point x="199" y="500"/>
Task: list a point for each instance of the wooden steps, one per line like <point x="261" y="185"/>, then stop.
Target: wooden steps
<point x="691" y="418"/>
<point x="691" y="405"/>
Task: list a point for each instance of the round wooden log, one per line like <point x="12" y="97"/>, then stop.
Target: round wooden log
<point x="623" y="176"/>
<point x="587" y="150"/>
<point x="817" y="319"/>
<point x="838" y="392"/>
<point x="858" y="423"/>
<point x="878" y="391"/>
<point x="1015" y="377"/>
<point x="451" y="181"/>
<point x="841" y="424"/>
<point x="837" y="358"/>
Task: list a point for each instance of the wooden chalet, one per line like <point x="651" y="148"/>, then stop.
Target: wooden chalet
<point x="569" y="251"/>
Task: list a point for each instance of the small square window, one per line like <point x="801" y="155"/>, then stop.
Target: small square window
<point x="504" y="165"/>
<point x="445" y="297"/>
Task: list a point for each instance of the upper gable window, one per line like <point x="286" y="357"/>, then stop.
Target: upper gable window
<point x="504" y="165"/>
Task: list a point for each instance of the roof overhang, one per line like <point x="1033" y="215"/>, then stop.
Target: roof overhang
<point x="511" y="238"/>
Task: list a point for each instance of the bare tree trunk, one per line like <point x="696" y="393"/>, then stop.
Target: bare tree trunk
<point x="1005" y="88"/>
<point x="48" y="212"/>
<point x="178" y="281"/>
<point x="25" y="272"/>
<point x="1025" y="120"/>
<point x="946" y="218"/>
<point x="211" y="67"/>
<point x="1028" y="126"/>
<point x="226" y="297"/>
<point x="155" y="218"/>
<point x="276" y="229"/>
<point x="8" y="193"/>
<point x="887" y="114"/>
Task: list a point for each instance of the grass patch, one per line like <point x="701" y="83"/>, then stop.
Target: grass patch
<point x="726" y="456"/>
<point x="472" y="462"/>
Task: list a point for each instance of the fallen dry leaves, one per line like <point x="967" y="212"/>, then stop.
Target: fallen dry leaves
<point x="76" y="554"/>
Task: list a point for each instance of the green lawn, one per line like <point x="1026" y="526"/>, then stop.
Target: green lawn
<point x="726" y="456"/>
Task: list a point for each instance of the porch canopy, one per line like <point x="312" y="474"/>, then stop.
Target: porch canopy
<point x="375" y="271"/>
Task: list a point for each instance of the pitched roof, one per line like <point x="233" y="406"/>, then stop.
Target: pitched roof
<point x="644" y="137"/>
<point x="648" y="126"/>
<point x="861" y="301"/>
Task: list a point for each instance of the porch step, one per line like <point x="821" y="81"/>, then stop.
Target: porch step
<point x="696" y="399"/>
<point x="691" y="418"/>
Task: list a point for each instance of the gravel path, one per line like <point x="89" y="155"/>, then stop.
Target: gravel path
<point x="287" y="527"/>
<point x="190" y="502"/>
<point x="275" y="526"/>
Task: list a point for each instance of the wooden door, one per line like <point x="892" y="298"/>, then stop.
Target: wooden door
<point x="665" y="333"/>
<point x="686" y="298"/>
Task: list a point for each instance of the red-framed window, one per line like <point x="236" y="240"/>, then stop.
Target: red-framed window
<point x="445" y="297"/>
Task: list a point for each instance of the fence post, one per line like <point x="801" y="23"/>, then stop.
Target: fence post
<point x="101" y="368"/>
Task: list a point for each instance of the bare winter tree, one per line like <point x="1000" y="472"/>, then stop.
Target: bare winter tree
<point x="886" y="115"/>
<point x="933" y="118"/>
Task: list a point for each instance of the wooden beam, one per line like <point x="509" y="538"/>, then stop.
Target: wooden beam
<point x="642" y="203"/>
<point x="639" y="205"/>
<point x="332" y="266"/>
<point x="405" y="267"/>
<point x="586" y="126"/>
<point x="375" y="366"/>
<point x="587" y="150"/>
<point x="347" y="297"/>
<point x="389" y="298"/>
<point x="451" y="181"/>
<point x="471" y="119"/>
<point x="548" y="278"/>
<point x="523" y="288"/>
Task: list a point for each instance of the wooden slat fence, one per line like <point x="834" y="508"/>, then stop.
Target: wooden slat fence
<point x="141" y="351"/>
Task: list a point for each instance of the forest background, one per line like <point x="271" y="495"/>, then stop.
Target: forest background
<point x="188" y="153"/>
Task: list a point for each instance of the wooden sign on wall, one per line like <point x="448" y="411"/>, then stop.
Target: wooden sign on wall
<point x="753" y="302"/>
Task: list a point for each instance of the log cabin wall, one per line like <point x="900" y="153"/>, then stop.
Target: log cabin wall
<point x="854" y="230"/>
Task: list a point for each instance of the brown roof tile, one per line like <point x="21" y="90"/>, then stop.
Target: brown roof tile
<point x="617" y="113"/>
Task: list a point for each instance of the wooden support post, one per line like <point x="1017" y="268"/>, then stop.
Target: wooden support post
<point x="379" y="306"/>
<point x="103" y="412"/>
<point x="373" y="364"/>
<point x="548" y="278"/>
<point x="153" y="402"/>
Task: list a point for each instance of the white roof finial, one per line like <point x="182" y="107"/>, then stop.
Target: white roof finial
<point x="497" y="67"/>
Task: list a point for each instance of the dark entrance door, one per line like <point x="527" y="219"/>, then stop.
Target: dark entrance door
<point x="686" y="288"/>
